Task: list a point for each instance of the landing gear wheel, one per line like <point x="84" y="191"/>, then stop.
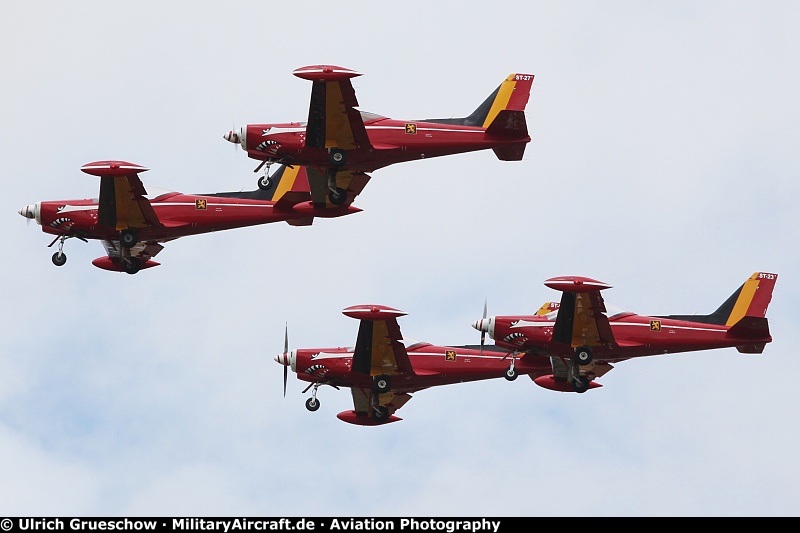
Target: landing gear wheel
<point x="382" y="384"/>
<point x="131" y="265"/>
<point x="337" y="196"/>
<point x="583" y="355"/>
<point x="510" y="374"/>
<point x="581" y="384"/>
<point x="337" y="157"/>
<point x="265" y="183"/>
<point x="380" y="414"/>
<point x="59" y="258"/>
<point x="312" y="404"/>
<point x="128" y="238"/>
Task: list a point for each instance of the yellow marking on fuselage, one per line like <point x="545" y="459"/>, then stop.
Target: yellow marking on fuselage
<point x="501" y="100"/>
<point x="745" y="299"/>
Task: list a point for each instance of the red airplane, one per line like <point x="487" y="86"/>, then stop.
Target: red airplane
<point x="338" y="137"/>
<point x="580" y="338"/>
<point x="382" y="372"/>
<point x="132" y="223"/>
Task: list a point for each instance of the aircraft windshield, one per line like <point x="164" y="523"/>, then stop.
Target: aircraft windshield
<point x="366" y="116"/>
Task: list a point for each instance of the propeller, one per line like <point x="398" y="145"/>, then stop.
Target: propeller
<point x="285" y="355"/>
<point x="483" y="332"/>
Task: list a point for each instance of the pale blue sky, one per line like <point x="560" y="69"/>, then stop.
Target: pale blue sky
<point x="663" y="162"/>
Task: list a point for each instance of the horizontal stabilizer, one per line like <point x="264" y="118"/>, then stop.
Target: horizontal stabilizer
<point x="509" y="123"/>
<point x="512" y="152"/>
<point x="750" y="327"/>
<point x="291" y="198"/>
<point x="305" y="221"/>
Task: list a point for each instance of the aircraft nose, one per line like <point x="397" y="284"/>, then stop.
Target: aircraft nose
<point x="237" y="137"/>
<point x="478" y="324"/>
<point x="30" y="211"/>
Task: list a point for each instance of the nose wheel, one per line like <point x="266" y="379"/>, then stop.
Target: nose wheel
<point x="265" y="182"/>
<point x="312" y="404"/>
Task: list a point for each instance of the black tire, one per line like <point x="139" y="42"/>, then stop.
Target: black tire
<point x="337" y="196"/>
<point x="59" y="258"/>
<point x="128" y="238"/>
<point x="265" y="183"/>
<point x="337" y="157"/>
<point x="131" y="265"/>
<point x="312" y="404"/>
<point x="583" y="355"/>
<point x="380" y="414"/>
<point x="581" y="384"/>
<point x="382" y="384"/>
<point x="510" y="374"/>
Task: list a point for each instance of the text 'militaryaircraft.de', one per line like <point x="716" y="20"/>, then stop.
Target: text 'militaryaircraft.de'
<point x="132" y="224"/>
<point x="580" y="338"/>
<point x="382" y="372"/>
<point x="337" y="136"/>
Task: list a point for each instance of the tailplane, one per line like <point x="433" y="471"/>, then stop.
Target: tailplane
<point x="287" y="186"/>
<point x="502" y="113"/>
<point x="745" y="310"/>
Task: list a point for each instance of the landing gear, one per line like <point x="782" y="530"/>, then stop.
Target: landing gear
<point x="337" y="157"/>
<point x="511" y="373"/>
<point x="265" y="183"/>
<point x="131" y="265"/>
<point x="583" y="355"/>
<point x="128" y="238"/>
<point x="382" y="384"/>
<point x="380" y="414"/>
<point x="312" y="404"/>
<point x="59" y="258"/>
<point x="336" y="194"/>
<point x="581" y="384"/>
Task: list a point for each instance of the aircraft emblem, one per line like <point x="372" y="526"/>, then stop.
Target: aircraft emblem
<point x="200" y="203"/>
<point x="655" y="325"/>
<point x="450" y="355"/>
<point x="411" y="129"/>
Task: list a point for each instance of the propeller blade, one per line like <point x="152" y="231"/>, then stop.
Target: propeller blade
<point x="285" y="351"/>
<point x="483" y="332"/>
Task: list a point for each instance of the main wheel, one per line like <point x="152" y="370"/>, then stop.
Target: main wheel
<point x="312" y="404"/>
<point x="265" y="183"/>
<point x="59" y="258"/>
<point x="337" y="196"/>
<point x="583" y="355"/>
<point x="581" y="384"/>
<point x="337" y="157"/>
<point x="380" y="414"/>
<point x="511" y="374"/>
<point x="382" y="384"/>
<point x="131" y="265"/>
<point x="128" y="238"/>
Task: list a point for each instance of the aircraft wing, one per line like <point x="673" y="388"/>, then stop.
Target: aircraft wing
<point x="122" y="203"/>
<point x="352" y="182"/>
<point x="333" y="120"/>
<point x="581" y="320"/>
<point x="378" y="348"/>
